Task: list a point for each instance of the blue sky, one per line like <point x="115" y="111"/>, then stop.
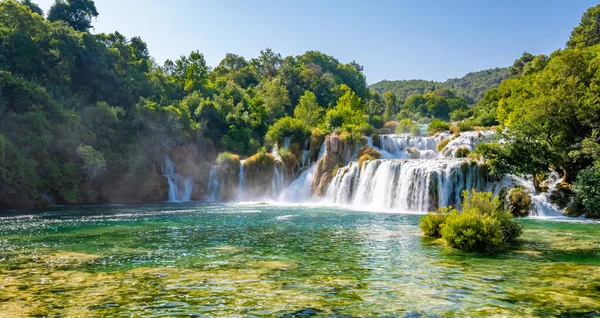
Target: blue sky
<point x="432" y="40"/>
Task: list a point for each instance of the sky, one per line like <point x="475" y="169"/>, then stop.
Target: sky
<point x="393" y="40"/>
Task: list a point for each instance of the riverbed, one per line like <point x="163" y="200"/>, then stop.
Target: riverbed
<point x="269" y="260"/>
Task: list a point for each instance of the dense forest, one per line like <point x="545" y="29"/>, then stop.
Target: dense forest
<point x="471" y="87"/>
<point x="87" y="118"/>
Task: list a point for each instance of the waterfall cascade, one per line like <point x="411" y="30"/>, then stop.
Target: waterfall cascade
<point x="241" y="193"/>
<point x="180" y="189"/>
<point x="213" y="184"/>
<point x="406" y="184"/>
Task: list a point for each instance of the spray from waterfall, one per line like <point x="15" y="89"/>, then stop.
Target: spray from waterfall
<point x="213" y="184"/>
<point x="241" y="193"/>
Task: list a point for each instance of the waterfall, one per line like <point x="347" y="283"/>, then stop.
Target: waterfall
<point x="286" y="143"/>
<point x="541" y="206"/>
<point x="393" y="146"/>
<point x="468" y="140"/>
<point x="213" y="184"/>
<point x="278" y="181"/>
<point x="405" y="185"/>
<point x="180" y="189"/>
<point x="321" y="151"/>
<point x="241" y="194"/>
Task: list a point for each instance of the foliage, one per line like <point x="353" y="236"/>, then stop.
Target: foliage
<point x="431" y="223"/>
<point x="482" y="225"/>
<point x="407" y="126"/>
<point x="262" y="160"/>
<point x="293" y="128"/>
<point x="587" y="33"/>
<point x="436" y="126"/>
<point x="587" y="190"/>
<point x="77" y="13"/>
<point x="308" y="110"/>
<point x="228" y="158"/>
<point x="442" y="144"/>
<point x="348" y="114"/>
<point x="520" y="201"/>
<point x="462" y="152"/>
<point x="471" y="87"/>
<point x="93" y="161"/>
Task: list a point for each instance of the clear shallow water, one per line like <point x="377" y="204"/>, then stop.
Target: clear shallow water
<point x="263" y="260"/>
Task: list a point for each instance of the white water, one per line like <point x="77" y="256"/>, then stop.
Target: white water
<point x="241" y="194"/>
<point x="180" y="189"/>
<point x="541" y="206"/>
<point x="405" y="185"/>
<point x="299" y="191"/>
<point x="213" y="184"/>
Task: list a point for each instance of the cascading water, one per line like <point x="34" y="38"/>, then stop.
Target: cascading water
<point x="241" y="193"/>
<point x="213" y="184"/>
<point x="406" y="185"/>
<point x="299" y="191"/>
<point x="541" y="206"/>
<point x="468" y="140"/>
<point x="180" y="189"/>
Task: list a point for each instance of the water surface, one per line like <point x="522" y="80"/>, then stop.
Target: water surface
<point x="264" y="260"/>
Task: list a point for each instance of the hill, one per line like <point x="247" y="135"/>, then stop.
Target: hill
<point x="471" y="86"/>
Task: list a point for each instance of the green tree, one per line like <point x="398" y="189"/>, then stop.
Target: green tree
<point x="77" y="13"/>
<point x="308" y="110"/>
<point x="390" y="100"/>
<point x="587" y="33"/>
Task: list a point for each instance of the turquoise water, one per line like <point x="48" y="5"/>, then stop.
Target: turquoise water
<point x="263" y="260"/>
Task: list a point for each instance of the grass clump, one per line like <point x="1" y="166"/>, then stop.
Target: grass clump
<point x="366" y="153"/>
<point x="442" y="144"/>
<point x="261" y="160"/>
<point x="462" y="152"/>
<point x="482" y="225"/>
<point x="228" y="158"/>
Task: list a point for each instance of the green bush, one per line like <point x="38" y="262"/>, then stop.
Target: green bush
<point x="520" y="201"/>
<point x="462" y="152"/>
<point x="227" y="158"/>
<point x="483" y="225"/>
<point x="442" y="144"/>
<point x="431" y="223"/>
<point x="294" y="128"/>
<point x="587" y="190"/>
<point x="465" y="125"/>
<point x="407" y="126"/>
<point x="437" y="126"/>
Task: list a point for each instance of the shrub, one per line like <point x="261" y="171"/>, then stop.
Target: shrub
<point x="406" y="126"/>
<point x="294" y="128"/>
<point x="519" y="201"/>
<point x="437" y="126"/>
<point x="431" y="223"/>
<point x="261" y="160"/>
<point x="462" y="152"/>
<point x="442" y="144"/>
<point x="366" y="150"/>
<point x="376" y="121"/>
<point x="483" y="225"/>
<point x="587" y="190"/>
<point x="465" y="125"/>
<point x="227" y="158"/>
<point x="390" y="126"/>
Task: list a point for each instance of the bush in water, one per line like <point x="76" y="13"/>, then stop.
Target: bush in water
<point x="520" y="201"/>
<point x="483" y="225"/>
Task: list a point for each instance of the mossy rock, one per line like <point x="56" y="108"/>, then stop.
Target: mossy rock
<point x="259" y="170"/>
<point x="519" y="202"/>
<point x="462" y="152"/>
<point x="229" y="174"/>
<point x="317" y="138"/>
<point x="376" y="141"/>
<point x="413" y="153"/>
<point x="366" y="150"/>
<point x="442" y="144"/>
<point x="574" y="209"/>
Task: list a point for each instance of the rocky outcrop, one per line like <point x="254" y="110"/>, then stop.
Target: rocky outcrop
<point x="259" y="171"/>
<point x="228" y="176"/>
<point x="338" y="153"/>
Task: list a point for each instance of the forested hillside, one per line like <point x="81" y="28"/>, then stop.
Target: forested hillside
<point x="86" y="118"/>
<point x="471" y="87"/>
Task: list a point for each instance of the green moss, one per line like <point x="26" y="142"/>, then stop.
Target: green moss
<point x="519" y="202"/>
<point x="440" y="146"/>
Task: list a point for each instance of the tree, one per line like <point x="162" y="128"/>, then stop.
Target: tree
<point x="390" y="100"/>
<point x="77" y="13"/>
<point x="587" y="33"/>
<point x="275" y="99"/>
<point x="308" y="110"/>
<point x="33" y="6"/>
<point x="519" y="64"/>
